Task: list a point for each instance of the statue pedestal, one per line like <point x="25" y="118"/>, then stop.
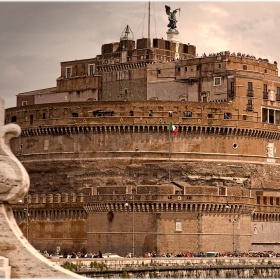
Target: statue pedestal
<point x="172" y="35"/>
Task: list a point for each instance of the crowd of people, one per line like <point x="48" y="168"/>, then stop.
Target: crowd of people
<point x="250" y="254"/>
<point x="73" y="255"/>
<point x="239" y="54"/>
<point x="228" y="53"/>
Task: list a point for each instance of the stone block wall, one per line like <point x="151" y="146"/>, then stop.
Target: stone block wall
<point x="158" y="232"/>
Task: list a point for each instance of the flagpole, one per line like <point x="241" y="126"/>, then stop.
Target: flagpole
<point x="149" y="23"/>
<point x="169" y="155"/>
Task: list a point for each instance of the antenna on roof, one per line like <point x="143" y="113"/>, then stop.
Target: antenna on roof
<point x="149" y="22"/>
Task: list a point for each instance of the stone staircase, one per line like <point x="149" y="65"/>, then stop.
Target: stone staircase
<point x="5" y="269"/>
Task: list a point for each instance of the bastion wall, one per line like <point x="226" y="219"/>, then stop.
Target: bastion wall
<point x="95" y="148"/>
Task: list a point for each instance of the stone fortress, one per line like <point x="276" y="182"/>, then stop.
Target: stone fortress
<point x="107" y="174"/>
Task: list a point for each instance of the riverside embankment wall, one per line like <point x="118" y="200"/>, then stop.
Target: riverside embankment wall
<point x="177" y="267"/>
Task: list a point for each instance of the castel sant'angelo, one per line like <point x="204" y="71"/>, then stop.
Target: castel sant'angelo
<point x="108" y="173"/>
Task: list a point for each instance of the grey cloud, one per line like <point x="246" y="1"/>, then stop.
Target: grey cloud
<point x="36" y="36"/>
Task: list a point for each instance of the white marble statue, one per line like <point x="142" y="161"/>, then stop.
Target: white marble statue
<point x="18" y="258"/>
<point x="14" y="180"/>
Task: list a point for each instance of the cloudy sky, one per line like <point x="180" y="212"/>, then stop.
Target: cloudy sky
<point x="36" y="36"/>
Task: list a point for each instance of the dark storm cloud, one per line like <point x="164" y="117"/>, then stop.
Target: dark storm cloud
<point x="36" y="36"/>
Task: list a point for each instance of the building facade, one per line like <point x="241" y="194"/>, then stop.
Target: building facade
<point x="104" y="133"/>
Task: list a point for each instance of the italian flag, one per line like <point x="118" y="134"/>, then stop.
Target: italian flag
<point x="173" y="128"/>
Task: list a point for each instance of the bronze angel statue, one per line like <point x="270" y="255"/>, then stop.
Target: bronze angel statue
<point x="171" y="17"/>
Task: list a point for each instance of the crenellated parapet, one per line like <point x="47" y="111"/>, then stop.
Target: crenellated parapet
<point x="54" y="198"/>
<point x="122" y="67"/>
<point x="266" y="217"/>
<point x="170" y="207"/>
<point x="132" y="117"/>
<point x="50" y="214"/>
<point x="155" y="202"/>
<point x="152" y="128"/>
<point x="51" y="207"/>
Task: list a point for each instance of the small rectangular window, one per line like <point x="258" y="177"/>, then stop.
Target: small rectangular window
<point x="68" y="72"/>
<point x="126" y="91"/>
<point x="91" y="69"/>
<point x="222" y="191"/>
<point x="158" y="71"/>
<point x="75" y="115"/>
<point x="178" y="69"/>
<point x="24" y="103"/>
<point x="232" y="86"/>
<point x="40" y="95"/>
<point x="197" y="67"/>
<point x="231" y="91"/>
<point x="186" y="68"/>
<point x="219" y="66"/>
<point x="264" y="114"/>
<point x="250" y="105"/>
<point x="217" y="81"/>
<point x="244" y="67"/>
<point x="250" y="86"/>
<point x="278" y="94"/>
<point x="265" y="93"/>
<point x="44" y="115"/>
<point x="209" y="116"/>
<point x="188" y="114"/>
<point x="227" y="116"/>
<point x="244" y="117"/>
<point x="170" y="114"/>
<point x="271" y="116"/>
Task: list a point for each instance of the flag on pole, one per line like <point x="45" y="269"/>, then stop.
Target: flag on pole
<point x="173" y="128"/>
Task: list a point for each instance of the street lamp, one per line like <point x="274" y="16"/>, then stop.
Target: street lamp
<point x="27" y="217"/>
<point x="127" y="205"/>
<point x="25" y="210"/>
<point x="233" y="222"/>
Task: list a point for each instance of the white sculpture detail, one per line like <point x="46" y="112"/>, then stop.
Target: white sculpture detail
<point x="270" y="150"/>
<point x="14" y="180"/>
<point x="20" y="258"/>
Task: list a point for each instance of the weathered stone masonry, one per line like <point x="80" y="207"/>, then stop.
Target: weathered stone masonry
<point x="222" y="160"/>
